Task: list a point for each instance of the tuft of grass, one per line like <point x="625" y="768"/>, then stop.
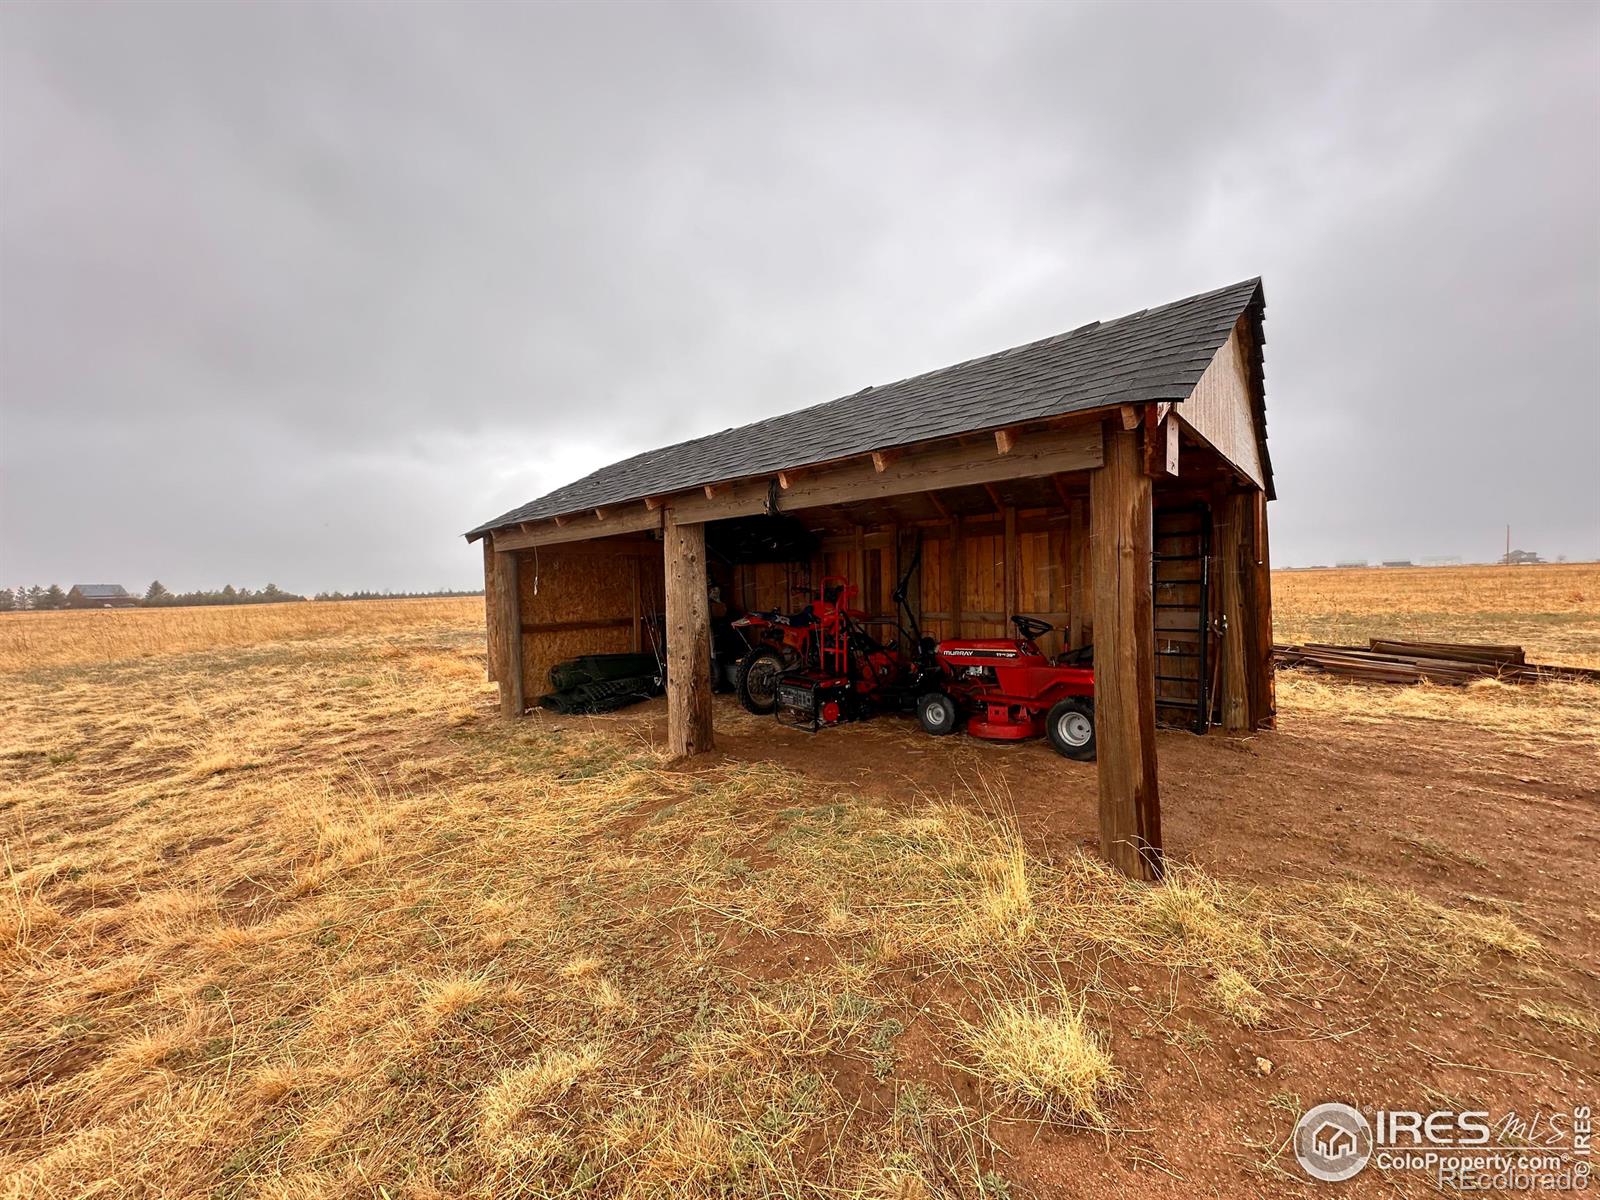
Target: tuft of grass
<point x="1038" y="1050"/>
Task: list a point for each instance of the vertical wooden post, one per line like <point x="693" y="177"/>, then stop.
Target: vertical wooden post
<point x="491" y="609"/>
<point x="1010" y="590"/>
<point x="637" y="642"/>
<point x="1238" y="640"/>
<point x="859" y="570"/>
<point x="509" y="597"/>
<point x="1258" y="595"/>
<point x="688" y="638"/>
<point x="1080" y="618"/>
<point x="1120" y="515"/>
<point x="957" y="577"/>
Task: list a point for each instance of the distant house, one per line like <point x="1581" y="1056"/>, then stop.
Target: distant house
<point x="1398" y="562"/>
<point x="100" y="595"/>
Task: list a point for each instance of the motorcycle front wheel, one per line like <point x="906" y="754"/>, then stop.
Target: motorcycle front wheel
<point x="757" y="680"/>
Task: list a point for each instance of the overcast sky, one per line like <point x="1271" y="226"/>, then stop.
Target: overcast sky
<point x="299" y="292"/>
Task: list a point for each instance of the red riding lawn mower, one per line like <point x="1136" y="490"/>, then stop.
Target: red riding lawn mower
<point x="1007" y="689"/>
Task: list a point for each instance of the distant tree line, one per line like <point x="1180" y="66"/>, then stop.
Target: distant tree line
<point x="440" y="594"/>
<point x="45" y="599"/>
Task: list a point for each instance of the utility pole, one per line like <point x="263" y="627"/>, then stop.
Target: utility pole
<point x="1507" y="558"/>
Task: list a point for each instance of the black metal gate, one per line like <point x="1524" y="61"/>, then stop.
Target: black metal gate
<point x="1182" y="577"/>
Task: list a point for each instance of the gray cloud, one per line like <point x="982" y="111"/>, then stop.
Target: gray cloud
<point x="301" y="292"/>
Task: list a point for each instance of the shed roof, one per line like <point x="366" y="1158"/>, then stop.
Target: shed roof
<point x="100" y="591"/>
<point x="1157" y="354"/>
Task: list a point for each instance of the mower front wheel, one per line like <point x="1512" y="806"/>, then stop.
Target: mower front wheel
<point x="756" y="680"/>
<point x="937" y="712"/>
<point x="1070" y="728"/>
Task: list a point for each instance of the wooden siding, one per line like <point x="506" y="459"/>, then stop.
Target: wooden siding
<point x="1221" y="412"/>
<point x="583" y="599"/>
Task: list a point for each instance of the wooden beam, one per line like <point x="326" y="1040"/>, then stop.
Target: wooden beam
<point x="787" y="479"/>
<point x="1078" y="580"/>
<point x="1010" y="588"/>
<point x="938" y="506"/>
<point x="1066" y="497"/>
<point x="957" y="574"/>
<point x="491" y="610"/>
<point x="947" y="465"/>
<point x="506" y="586"/>
<point x="600" y="514"/>
<point x="1004" y="440"/>
<point x="1258" y="607"/>
<point x="1132" y="417"/>
<point x="1160" y="446"/>
<point x="1229" y="519"/>
<point x="637" y="642"/>
<point x="559" y="521"/>
<point x="652" y="502"/>
<point x="859" y="570"/>
<point x="881" y="459"/>
<point x="688" y="638"/>
<point x="711" y="491"/>
<point x="634" y="519"/>
<point x="994" y="498"/>
<point x="575" y="626"/>
<point x="1120" y="514"/>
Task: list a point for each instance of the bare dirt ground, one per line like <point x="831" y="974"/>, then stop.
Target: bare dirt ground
<point x="305" y="917"/>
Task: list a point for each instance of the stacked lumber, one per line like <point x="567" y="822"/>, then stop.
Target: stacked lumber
<point x="1389" y="660"/>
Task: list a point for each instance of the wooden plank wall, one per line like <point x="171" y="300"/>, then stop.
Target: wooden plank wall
<point x="1220" y="409"/>
<point x="962" y="588"/>
<point x="584" y="598"/>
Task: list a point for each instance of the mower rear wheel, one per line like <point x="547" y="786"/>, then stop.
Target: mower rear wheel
<point x="937" y="712"/>
<point x="756" y="681"/>
<point x="1070" y="728"/>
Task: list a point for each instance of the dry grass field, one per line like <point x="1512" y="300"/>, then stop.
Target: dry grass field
<point x="289" y="911"/>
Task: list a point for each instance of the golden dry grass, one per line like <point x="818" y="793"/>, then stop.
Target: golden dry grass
<point x="1552" y="610"/>
<point x="89" y="637"/>
<point x="300" y="916"/>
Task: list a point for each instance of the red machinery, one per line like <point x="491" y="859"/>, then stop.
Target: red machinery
<point x="780" y="643"/>
<point x="1007" y="689"/>
<point x="850" y="676"/>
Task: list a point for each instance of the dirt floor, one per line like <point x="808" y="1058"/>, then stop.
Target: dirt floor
<point x="300" y="915"/>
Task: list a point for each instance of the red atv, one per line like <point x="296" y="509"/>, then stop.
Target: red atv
<point x="781" y="643"/>
<point x="1007" y="689"/>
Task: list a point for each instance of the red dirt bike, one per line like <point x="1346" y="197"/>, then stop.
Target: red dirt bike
<point x="780" y="643"/>
<point x="1007" y="689"/>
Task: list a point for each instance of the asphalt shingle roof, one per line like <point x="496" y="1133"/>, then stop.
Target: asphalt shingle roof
<point x="1158" y="354"/>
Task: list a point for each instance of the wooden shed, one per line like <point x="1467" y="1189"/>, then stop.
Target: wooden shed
<point x="1112" y="480"/>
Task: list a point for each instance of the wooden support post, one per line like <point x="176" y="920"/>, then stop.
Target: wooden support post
<point x="957" y="577"/>
<point x="509" y="597"/>
<point x="1231" y="515"/>
<point x="858" y="569"/>
<point x="1120" y="514"/>
<point x="1258" y="597"/>
<point x="688" y="639"/>
<point x="491" y="611"/>
<point x="1010" y="591"/>
<point x="637" y="641"/>
<point x="1081" y="620"/>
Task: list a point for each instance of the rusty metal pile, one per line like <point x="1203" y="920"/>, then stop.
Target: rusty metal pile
<point x="1387" y="660"/>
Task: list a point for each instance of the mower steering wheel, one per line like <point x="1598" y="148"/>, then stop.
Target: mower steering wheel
<point x="1031" y="627"/>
